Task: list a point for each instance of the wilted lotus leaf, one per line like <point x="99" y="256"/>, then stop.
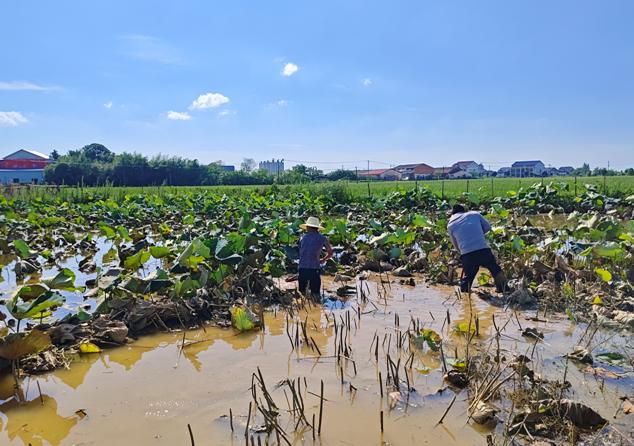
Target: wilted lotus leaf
<point x="19" y="345"/>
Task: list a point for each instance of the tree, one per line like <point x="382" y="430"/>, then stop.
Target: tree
<point x="582" y="171"/>
<point x="248" y="165"/>
<point x="341" y="174"/>
<point x="97" y="152"/>
<point x="54" y="155"/>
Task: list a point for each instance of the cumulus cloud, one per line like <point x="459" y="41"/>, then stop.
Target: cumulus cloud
<point x="366" y="82"/>
<point x="208" y="100"/>
<point x="12" y="119"/>
<point x="108" y="104"/>
<point x="23" y="85"/>
<point x="290" y="69"/>
<point x="178" y="116"/>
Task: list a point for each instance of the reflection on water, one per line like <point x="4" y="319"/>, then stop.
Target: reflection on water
<point x="147" y="392"/>
<point x="36" y="422"/>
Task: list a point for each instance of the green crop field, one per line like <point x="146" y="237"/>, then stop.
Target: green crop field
<point x="450" y="189"/>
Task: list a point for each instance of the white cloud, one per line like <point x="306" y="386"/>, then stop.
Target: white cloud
<point x="12" y="119"/>
<point x="366" y="82"/>
<point x="108" y="104"/>
<point x="178" y="116"/>
<point x="209" y="100"/>
<point x="23" y="85"/>
<point x="282" y="103"/>
<point x="227" y="112"/>
<point x="290" y="69"/>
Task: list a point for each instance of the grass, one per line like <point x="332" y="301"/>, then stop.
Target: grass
<point x="485" y="188"/>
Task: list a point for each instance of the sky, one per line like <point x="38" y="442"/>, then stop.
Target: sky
<point x="328" y="83"/>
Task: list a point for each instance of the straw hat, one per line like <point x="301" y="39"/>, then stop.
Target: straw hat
<point x="312" y="222"/>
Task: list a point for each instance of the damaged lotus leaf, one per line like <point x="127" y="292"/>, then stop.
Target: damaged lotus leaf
<point x="19" y="345"/>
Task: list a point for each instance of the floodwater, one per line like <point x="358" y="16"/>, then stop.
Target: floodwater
<point x="148" y="392"/>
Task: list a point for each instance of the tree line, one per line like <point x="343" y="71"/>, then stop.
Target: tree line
<point x="96" y="165"/>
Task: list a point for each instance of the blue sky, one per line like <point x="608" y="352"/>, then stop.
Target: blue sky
<point x="335" y="82"/>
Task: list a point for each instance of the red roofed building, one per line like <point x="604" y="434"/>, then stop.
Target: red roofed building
<point x="380" y="174"/>
<point x="25" y="159"/>
<point x="23" y="167"/>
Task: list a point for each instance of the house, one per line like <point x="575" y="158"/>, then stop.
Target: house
<point x="474" y="169"/>
<point x="566" y="170"/>
<point x="23" y="167"/>
<point x="441" y="172"/>
<point x="415" y="171"/>
<point x="527" y="169"/>
<point x="458" y="172"/>
<point x="551" y="172"/>
<point x="504" y="172"/>
<point x="380" y="174"/>
<point x="25" y="159"/>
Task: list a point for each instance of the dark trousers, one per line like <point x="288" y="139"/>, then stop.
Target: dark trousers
<point x="471" y="263"/>
<point x="312" y="277"/>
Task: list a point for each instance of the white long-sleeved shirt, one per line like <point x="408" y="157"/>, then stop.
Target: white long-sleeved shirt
<point x="467" y="231"/>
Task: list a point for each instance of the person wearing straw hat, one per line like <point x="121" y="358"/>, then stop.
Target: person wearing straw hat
<point x="311" y="246"/>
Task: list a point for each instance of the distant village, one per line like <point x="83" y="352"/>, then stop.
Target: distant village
<point x="27" y="167"/>
<point x="465" y="169"/>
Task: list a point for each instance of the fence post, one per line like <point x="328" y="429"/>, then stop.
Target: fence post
<point x="575" y="186"/>
<point x="369" y="193"/>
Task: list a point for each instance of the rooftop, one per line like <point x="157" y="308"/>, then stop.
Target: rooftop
<point x="35" y="153"/>
<point x="526" y="163"/>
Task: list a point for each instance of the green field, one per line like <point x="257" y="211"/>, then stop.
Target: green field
<point x="450" y="189"/>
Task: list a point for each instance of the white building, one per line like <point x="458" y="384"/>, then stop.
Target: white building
<point x="528" y="169"/>
<point x="471" y="167"/>
<point x="273" y="167"/>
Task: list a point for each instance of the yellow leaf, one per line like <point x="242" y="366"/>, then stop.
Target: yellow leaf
<point x="19" y="345"/>
<point x="463" y="327"/>
<point x="597" y="300"/>
<point x="89" y="347"/>
<point x="241" y="319"/>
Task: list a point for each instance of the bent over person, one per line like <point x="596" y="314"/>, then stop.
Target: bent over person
<point x="467" y="230"/>
<point x="311" y="246"/>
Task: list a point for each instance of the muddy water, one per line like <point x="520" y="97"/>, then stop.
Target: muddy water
<point x="148" y="392"/>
